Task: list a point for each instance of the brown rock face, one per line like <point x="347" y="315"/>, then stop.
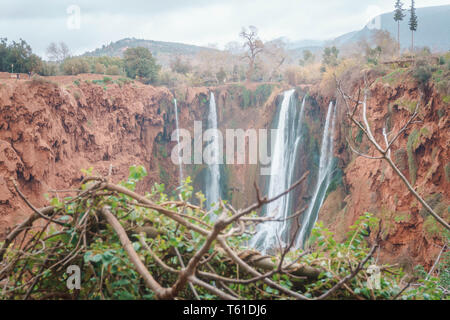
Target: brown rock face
<point x="48" y="133"/>
<point x="410" y="235"/>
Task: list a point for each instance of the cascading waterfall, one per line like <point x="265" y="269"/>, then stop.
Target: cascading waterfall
<point x="213" y="181"/>
<point x="180" y="165"/>
<point x="281" y="173"/>
<point x="324" y="177"/>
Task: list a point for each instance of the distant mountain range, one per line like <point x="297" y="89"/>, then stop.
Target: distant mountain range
<point x="164" y="52"/>
<point x="433" y="31"/>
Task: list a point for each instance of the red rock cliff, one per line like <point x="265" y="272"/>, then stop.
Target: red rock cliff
<point x="49" y="132"/>
<point x="410" y="235"/>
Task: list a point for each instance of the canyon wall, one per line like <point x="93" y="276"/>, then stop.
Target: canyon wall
<point x="50" y="131"/>
<point x="410" y="235"/>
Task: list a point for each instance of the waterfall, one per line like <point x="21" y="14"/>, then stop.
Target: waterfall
<point x="281" y="174"/>
<point x="180" y="164"/>
<point x="309" y="218"/>
<point x="213" y="183"/>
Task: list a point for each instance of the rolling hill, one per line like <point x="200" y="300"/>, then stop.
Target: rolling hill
<point x="163" y="51"/>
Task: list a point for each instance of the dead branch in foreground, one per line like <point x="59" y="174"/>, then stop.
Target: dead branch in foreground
<point x="26" y="244"/>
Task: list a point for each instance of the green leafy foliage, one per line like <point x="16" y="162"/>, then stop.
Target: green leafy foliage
<point x="139" y="63"/>
<point x="330" y="56"/>
<point x="422" y="72"/>
<point x="107" y="272"/>
<point x="411" y="148"/>
<point x="18" y="57"/>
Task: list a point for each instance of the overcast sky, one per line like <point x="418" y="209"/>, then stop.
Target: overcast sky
<point x="199" y="22"/>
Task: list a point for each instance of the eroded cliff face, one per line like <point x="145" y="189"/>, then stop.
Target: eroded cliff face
<point x="410" y="235"/>
<point x="52" y="129"/>
<point x="49" y="132"/>
<point x="250" y="106"/>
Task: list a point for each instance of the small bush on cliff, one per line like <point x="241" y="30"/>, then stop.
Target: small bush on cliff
<point x="74" y="66"/>
<point x="411" y="148"/>
<point x="422" y="72"/>
<point x="262" y="93"/>
<point x="447" y="172"/>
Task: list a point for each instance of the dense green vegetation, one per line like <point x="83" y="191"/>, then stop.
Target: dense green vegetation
<point x="139" y="63"/>
<point x="98" y="65"/>
<point x="85" y="239"/>
<point x="18" y="57"/>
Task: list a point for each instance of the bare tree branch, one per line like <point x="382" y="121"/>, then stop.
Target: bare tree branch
<point x="385" y="153"/>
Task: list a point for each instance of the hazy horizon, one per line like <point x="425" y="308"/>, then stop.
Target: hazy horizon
<point x="199" y="23"/>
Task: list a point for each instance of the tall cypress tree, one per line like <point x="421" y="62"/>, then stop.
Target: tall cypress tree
<point x="413" y="22"/>
<point x="398" y="16"/>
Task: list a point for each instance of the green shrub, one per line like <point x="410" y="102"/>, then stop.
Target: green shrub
<point x="113" y="70"/>
<point x="422" y="73"/>
<point x="433" y="229"/>
<point x="410" y="148"/>
<point x="74" y="66"/>
<point x="401" y="159"/>
<point x="433" y="200"/>
<point x="446" y="99"/>
<point x="359" y="136"/>
<point x="246" y="98"/>
<point x="336" y="181"/>
<point x="262" y="93"/>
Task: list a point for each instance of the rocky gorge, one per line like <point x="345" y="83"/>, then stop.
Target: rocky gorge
<point x="51" y="129"/>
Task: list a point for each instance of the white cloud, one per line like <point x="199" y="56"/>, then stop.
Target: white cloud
<point x="196" y="22"/>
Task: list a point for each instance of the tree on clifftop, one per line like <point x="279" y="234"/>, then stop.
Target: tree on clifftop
<point x="139" y="62"/>
<point x="18" y="57"/>
<point x="398" y="16"/>
<point x="330" y="56"/>
<point x="254" y="47"/>
<point x="413" y="22"/>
